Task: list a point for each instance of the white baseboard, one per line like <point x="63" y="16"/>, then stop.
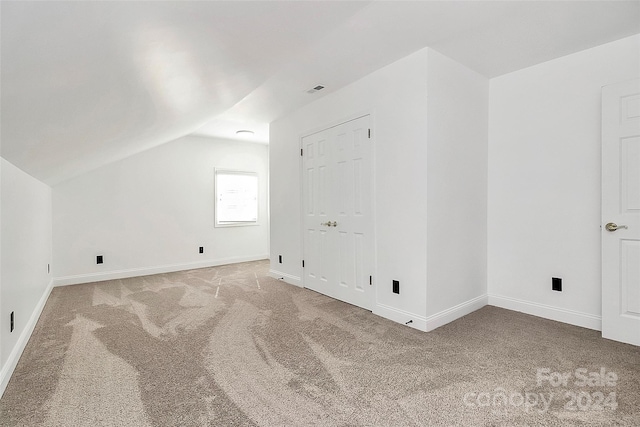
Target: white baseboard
<point x="288" y="278"/>
<point x="434" y="321"/>
<point x="571" y="317"/>
<point x="14" y="356"/>
<point x="145" y="271"/>
<point x="449" y="315"/>
<point x="401" y="316"/>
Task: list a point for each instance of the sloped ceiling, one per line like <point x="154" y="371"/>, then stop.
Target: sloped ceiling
<point x="88" y="83"/>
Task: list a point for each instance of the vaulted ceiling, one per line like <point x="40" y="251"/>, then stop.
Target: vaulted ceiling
<point x="88" y="83"/>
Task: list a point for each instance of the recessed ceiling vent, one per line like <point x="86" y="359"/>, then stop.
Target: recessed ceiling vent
<point x="315" y="89"/>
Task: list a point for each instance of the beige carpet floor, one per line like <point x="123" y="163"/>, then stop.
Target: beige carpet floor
<point x="229" y="346"/>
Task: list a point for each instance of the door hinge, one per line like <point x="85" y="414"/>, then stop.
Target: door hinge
<point x="302" y="263"/>
<point x="369" y="133"/>
<point x="370" y="280"/>
<point x="301" y="152"/>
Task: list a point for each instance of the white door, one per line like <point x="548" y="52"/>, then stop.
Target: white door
<point x="337" y="203"/>
<point x="621" y="212"/>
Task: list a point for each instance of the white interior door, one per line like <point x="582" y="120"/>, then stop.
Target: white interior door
<point x="621" y="212"/>
<point x="338" y="221"/>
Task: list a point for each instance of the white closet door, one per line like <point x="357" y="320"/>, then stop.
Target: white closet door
<point x="337" y="206"/>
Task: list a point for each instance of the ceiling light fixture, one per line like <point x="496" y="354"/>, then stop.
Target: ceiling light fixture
<point x="244" y="132"/>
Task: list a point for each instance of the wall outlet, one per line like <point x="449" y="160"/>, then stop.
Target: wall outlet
<point x="201" y="250"/>
<point x="99" y="259"/>
<point x="396" y="286"/>
<point x="556" y="284"/>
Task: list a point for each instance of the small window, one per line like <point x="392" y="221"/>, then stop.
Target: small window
<point x="236" y="198"/>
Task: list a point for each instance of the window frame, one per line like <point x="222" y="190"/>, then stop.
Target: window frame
<point x="223" y="224"/>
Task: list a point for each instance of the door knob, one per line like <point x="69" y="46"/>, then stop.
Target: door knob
<point x="612" y="226"/>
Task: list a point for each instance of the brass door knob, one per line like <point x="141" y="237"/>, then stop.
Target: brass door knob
<point x="612" y="226"/>
<point x="329" y="224"/>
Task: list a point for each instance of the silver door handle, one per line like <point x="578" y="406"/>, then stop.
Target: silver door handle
<point x="329" y="224"/>
<point x="612" y="226"/>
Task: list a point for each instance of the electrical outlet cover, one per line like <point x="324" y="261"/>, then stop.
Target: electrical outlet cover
<point x="396" y="286"/>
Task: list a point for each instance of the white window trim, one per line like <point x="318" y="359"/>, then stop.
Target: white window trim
<point x="216" y="202"/>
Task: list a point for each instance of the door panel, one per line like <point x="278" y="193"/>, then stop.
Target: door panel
<point x="359" y="248"/>
<point x="630" y="278"/>
<point x="316" y="179"/>
<point x="344" y="255"/>
<point x="621" y="206"/>
<point x="631" y="174"/>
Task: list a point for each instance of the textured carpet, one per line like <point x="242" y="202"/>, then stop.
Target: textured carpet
<point x="229" y="346"/>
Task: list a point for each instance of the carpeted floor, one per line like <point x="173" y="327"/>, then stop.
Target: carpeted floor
<point x="229" y="346"/>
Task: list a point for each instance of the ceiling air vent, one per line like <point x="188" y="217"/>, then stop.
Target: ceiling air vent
<point x="315" y="89"/>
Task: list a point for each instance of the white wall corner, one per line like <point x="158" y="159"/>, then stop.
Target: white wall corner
<point x="412" y="320"/>
<point x="286" y="277"/>
<point x="136" y="272"/>
<point x="449" y="315"/>
<point x="571" y="317"/>
<point x="18" y="349"/>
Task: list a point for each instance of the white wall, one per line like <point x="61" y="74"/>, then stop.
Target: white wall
<point x="25" y="252"/>
<point x="396" y="96"/>
<point x="544" y="182"/>
<point x="4" y="372"/>
<point x="151" y="212"/>
<point x="457" y="186"/>
<point x="406" y="146"/>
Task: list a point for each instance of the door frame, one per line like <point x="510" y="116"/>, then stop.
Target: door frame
<point x="320" y="128"/>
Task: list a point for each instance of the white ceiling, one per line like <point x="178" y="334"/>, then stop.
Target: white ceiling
<point x="87" y="83"/>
